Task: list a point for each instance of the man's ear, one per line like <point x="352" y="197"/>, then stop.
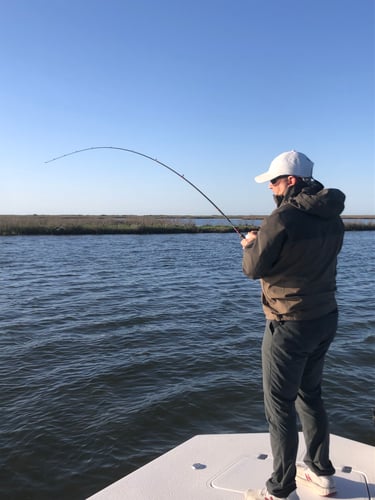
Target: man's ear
<point x="292" y="181"/>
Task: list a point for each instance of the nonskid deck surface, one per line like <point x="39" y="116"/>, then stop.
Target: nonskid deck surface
<point x="224" y="466"/>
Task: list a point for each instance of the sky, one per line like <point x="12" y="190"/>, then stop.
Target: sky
<point x="213" y="88"/>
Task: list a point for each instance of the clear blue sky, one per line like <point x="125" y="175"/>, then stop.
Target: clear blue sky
<point x="214" y="88"/>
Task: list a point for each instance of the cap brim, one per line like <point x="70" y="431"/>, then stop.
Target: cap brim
<point x="263" y="177"/>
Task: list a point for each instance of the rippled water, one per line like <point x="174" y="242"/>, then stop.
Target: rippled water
<point x="114" y="349"/>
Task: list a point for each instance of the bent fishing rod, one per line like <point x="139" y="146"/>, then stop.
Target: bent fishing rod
<point x="160" y="163"/>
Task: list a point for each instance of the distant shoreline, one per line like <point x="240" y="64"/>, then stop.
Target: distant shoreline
<point x="23" y="225"/>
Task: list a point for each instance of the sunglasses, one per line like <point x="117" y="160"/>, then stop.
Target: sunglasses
<point x="276" y="179"/>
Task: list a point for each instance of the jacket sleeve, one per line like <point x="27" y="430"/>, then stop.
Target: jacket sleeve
<point x="260" y="257"/>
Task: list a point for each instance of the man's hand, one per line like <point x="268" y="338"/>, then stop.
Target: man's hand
<point x="250" y="237"/>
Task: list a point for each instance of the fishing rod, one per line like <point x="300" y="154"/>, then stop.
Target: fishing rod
<point x="160" y="163"/>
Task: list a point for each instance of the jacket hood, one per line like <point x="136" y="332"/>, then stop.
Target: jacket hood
<point x="313" y="198"/>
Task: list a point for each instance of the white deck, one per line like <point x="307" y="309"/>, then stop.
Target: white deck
<point x="226" y="465"/>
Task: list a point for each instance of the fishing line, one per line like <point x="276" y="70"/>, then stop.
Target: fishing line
<point x="160" y="163"/>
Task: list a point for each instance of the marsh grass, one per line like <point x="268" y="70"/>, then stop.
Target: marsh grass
<point x="121" y="224"/>
<point x="101" y="224"/>
<point x="86" y="224"/>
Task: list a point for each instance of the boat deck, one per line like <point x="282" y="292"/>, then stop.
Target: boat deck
<point x="224" y="466"/>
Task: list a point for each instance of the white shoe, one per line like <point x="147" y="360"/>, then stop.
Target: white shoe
<point x="265" y="495"/>
<point x="323" y="485"/>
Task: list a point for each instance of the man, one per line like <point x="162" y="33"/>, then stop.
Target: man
<point x="294" y="255"/>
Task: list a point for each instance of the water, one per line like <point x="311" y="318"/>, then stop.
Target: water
<point x="114" y="349"/>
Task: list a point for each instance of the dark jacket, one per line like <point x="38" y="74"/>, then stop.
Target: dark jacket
<point x="295" y="253"/>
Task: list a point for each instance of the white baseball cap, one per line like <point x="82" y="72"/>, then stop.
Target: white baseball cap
<point x="289" y="163"/>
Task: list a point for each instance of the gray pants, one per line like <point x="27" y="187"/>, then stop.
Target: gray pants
<point x="293" y="357"/>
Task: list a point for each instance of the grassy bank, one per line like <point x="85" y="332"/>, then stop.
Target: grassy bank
<point x="109" y="224"/>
